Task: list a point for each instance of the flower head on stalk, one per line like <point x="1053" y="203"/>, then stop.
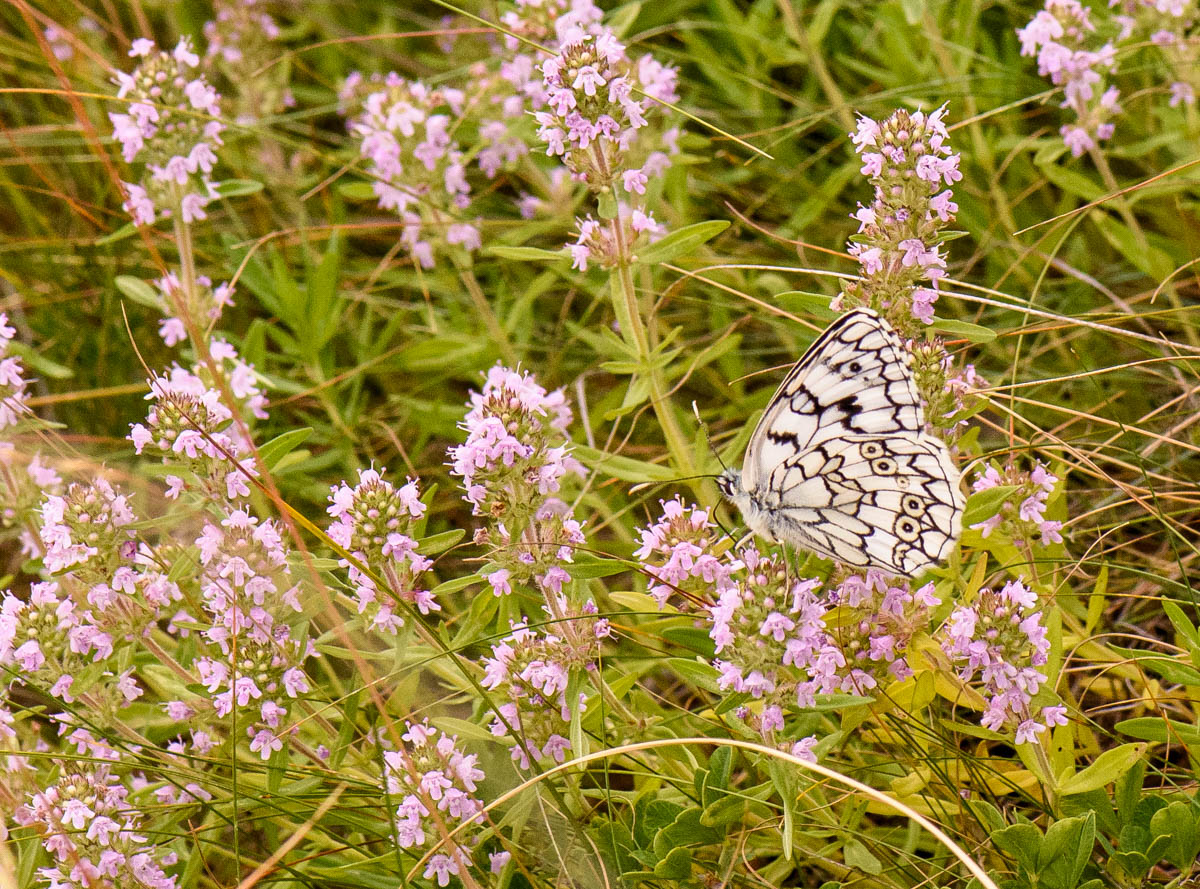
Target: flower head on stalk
<point x="1068" y="51"/>
<point x="780" y="642"/>
<point x="403" y="129"/>
<point x="256" y="661"/>
<point x="170" y="126"/>
<point x="679" y="553"/>
<point x="242" y="42"/>
<point x="53" y="637"/>
<point x="191" y="424"/>
<point x="203" y="305"/>
<point x="24" y="483"/>
<point x="86" y="531"/>
<point x="599" y="243"/>
<point x="1022" y="516"/>
<point x="94" y="834"/>
<point x="999" y="641"/>
<point x="12" y="379"/>
<point x="373" y="521"/>
<point x="596" y="101"/>
<point x="532" y="671"/>
<point x="436" y="784"/>
<point x="898" y="245"/>
<point x="1170" y="27"/>
<point x="950" y="395"/>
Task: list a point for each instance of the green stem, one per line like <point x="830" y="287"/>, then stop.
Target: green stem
<point x="633" y="330"/>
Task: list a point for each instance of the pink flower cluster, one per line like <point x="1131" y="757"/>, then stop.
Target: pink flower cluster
<point x="53" y="636"/>
<point x="909" y="161"/>
<point x="516" y="452"/>
<point x="24" y="482"/>
<point x="1063" y="38"/>
<point x="538" y="554"/>
<point x="597" y="100"/>
<point x="248" y="594"/>
<point x="189" y="424"/>
<point x="1024" y="512"/>
<point x="404" y="131"/>
<point x="1171" y="27"/>
<point x="950" y="393"/>
<point x="94" y="833"/>
<point x="12" y="380"/>
<point x="373" y="521"/>
<point x="1000" y="641"/>
<point x="678" y="553"/>
<point x="614" y="243"/>
<point x="171" y="125"/>
<point x="86" y="530"/>
<point x="777" y="644"/>
<point x="243" y="42"/>
<point x="431" y="774"/>
<point x="203" y="305"/>
<point x="532" y="671"/>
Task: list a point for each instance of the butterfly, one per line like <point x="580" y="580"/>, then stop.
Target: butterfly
<point x="840" y="463"/>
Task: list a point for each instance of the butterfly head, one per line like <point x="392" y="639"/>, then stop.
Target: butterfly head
<point x="730" y="483"/>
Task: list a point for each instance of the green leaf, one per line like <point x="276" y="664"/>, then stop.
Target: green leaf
<point x="676" y="866"/>
<point x="1108" y="767"/>
<point x="699" y="674"/>
<point x="914" y="10"/>
<point x="125" y="231"/>
<point x="1066" y="850"/>
<point x="437" y="543"/>
<point x="41" y="365"/>
<point x="1163" y="731"/>
<point x="357" y="191"/>
<point x="139" y="291"/>
<point x="982" y="505"/>
<point x="1022" y="842"/>
<point x="1178" y="822"/>
<point x="973" y="332"/>
<point x="606" y="207"/>
<point x="681" y="241"/>
<point x="588" y="567"/>
<point x="235" y="188"/>
<point x="857" y="855"/>
<point x="281" y="445"/>
<point x="625" y="468"/>
<point x="802" y="302"/>
<point x="527" y="254"/>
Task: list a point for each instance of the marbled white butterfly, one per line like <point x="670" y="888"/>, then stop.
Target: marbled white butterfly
<point x="840" y="463"/>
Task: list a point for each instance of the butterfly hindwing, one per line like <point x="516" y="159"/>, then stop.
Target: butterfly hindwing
<point x="839" y="463"/>
<point x="871" y="501"/>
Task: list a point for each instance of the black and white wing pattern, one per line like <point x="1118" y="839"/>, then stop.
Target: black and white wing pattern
<point x="840" y="464"/>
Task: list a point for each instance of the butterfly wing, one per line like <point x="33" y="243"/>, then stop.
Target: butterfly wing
<point x="871" y="501"/>
<point x="854" y="379"/>
<point x="840" y="464"/>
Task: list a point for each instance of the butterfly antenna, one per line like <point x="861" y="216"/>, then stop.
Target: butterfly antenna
<point x="707" y="437"/>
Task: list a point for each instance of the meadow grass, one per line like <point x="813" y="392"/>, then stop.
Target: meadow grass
<point x="359" y="516"/>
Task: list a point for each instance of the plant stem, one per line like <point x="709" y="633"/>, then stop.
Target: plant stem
<point x="633" y="330"/>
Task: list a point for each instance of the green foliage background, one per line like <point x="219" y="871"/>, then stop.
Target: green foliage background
<point x="1083" y="273"/>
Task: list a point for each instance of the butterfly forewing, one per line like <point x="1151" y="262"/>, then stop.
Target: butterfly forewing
<point x="839" y="463"/>
<point x="853" y="379"/>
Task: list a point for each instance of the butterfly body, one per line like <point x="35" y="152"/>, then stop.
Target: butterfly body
<point x="840" y="463"/>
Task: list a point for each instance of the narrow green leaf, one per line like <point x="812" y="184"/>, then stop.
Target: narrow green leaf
<point x="682" y="241"/>
<point x="625" y="468"/>
<point x="437" y="543"/>
<point x="1163" y="731"/>
<point x="279" y="446"/>
<point x="139" y="291"/>
<point x="973" y="332"/>
<point x="982" y="505"/>
<point x="527" y="254"/>
<point x="235" y="188"/>
<point x="1108" y="767"/>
